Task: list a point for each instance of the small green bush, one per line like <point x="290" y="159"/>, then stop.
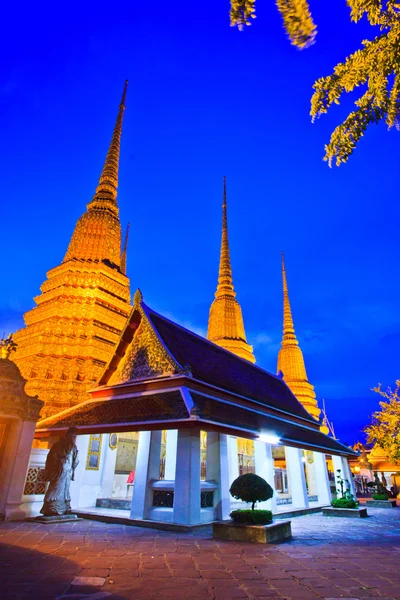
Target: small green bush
<point x="380" y="496"/>
<point x="251" y="488"/>
<point x="251" y="517"/>
<point x="344" y="503"/>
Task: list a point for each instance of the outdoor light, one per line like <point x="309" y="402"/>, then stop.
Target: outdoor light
<point x="269" y="438"/>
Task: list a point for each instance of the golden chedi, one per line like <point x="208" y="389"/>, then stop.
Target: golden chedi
<point x="290" y="358"/>
<point x="71" y="334"/>
<point x="225" y="323"/>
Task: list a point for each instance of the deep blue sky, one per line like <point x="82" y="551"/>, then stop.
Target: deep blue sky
<point x="204" y="101"/>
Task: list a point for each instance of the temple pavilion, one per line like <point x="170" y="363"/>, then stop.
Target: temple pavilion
<point x="166" y="419"/>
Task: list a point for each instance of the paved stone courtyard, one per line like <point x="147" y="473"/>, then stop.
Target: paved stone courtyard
<point x="327" y="558"/>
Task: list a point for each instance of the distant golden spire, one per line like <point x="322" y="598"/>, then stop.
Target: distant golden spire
<point x="97" y="235"/>
<point x="124" y="251"/>
<point x="290" y="357"/>
<point x="225" y="282"/>
<point x="106" y="190"/>
<point x="225" y="323"/>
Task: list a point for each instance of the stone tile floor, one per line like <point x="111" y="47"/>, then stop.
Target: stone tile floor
<point x="327" y="558"/>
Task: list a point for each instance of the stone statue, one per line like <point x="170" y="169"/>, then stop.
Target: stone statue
<point x="61" y="463"/>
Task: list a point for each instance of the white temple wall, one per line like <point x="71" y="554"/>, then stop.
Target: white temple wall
<point x="87" y="486"/>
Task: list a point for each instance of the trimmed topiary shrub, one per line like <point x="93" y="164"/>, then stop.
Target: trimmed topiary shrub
<point x="251" y="517"/>
<point x="251" y="488"/>
<point x="380" y="496"/>
<point x="344" y="503"/>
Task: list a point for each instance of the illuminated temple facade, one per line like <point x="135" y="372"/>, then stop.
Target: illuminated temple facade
<point x="166" y="419"/>
<point x="84" y="303"/>
<point x="225" y="323"/>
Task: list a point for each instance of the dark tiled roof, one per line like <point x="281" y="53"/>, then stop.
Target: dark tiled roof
<point x="152" y="407"/>
<point x="211" y="409"/>
<point x="221" y="368"/>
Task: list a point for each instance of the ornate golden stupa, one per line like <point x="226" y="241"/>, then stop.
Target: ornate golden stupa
<point x="71" y="334"/>
<point x="225" y="323"/>
<point x="290" y="358"/>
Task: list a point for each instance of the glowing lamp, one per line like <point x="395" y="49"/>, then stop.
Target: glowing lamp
<point x="269" y="438"/>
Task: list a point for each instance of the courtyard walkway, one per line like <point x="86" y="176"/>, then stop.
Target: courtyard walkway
<point x="327" y="558"/>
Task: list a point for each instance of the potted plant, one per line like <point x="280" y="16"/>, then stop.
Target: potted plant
<point x="252" y="524"/>
<point x="345" y="505"/>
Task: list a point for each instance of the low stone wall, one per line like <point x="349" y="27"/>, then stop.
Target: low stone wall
<point x="357" y="513"/>
<point x="381" y="503"/>
<point x="260" y="534"/>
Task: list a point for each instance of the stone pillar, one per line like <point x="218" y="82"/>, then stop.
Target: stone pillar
<point x="187" y="478"/>
<point x="233" y="458"/>
<point x="218" y="471"/>
<point x="297" y="477"/>
<point x="147" y="470"/>
<point x="265" y="468"/>
<point x="170" y="454"/>
<point x="337" y="466"/>
<point x="322" y="477"/>
<point x="17" y="454"/>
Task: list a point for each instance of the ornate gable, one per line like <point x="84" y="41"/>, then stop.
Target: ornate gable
<point x="144" y="355"/>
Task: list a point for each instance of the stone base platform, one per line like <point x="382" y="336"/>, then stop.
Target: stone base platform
<point x="117" y="503"/>
<point x="259" y="534"/>
<point x="382" y="503"/>
<point x="357" y="513"/>
<point x="54" y="519"/>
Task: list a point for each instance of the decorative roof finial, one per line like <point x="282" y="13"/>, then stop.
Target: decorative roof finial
<point x="108" y="182"/>
<point x="123" y="254"/>
<point x="137" y="298"/>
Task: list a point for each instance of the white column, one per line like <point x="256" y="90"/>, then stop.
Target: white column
<point x="338" y="466"/>
<point x="170" y="454"/>
<point x="109" y="456"/>
<point x="233" y="460"/>
<point x="265" y="468"/>
<point x="296" y="476"/>
<point x="322" y="477"/>
<point x="147" y="470"/>
<point x="348" y="475"/>
<point x="311" y="478"/>
<point x="218" y="471"/>
<point x="187" y="478"/>
<point x="18" y="454"/>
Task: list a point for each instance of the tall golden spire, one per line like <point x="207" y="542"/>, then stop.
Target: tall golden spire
<point x="106" y="190"/>
<point x="124" y="251"/>
<point x="290" y="357"/>
<point x="70" y="335"/>
<point x="225" y="323"/>
<point x="97" y="235"/>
